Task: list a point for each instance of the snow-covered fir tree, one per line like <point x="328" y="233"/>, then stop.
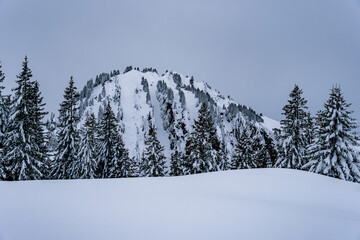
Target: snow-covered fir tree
<point x="68" y="134"/>
<point x="293" y="139"/>
<point x="244" y="153"/>
<point x="269" y="151"/>
<point x="202" y="147"/>
<point x="309" y="131"/>
<point x="221" y="158"/>
<point x="335" y="148"/>
<point x="254" y="147"/>
<point x="84" y="166"/>
<point x="176" y="163"/>
<point x="108" y="137"/>
<point x="113" y="157"/>
<point x="153" y="158"/>
<point x="4" y="109"/>
<point x="4" y="114"/>
<point x="38" y="114"/>
<point x="25" y="157"/>
<point x="178" y="136"/>
<point x="123" y="166"/>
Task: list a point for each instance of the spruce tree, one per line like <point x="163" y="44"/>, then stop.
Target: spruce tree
<point x="4" y="114"/>
<point x="38" y="115"/>
<point x="68" y="135"/>
<point x="269" y="152"/>
<point x="203" y="145"/>
<point x="85" y="164"/>
<point x="153" y="158"/>
<point x="176" y="163"/>
<point x="4" y="110"/>
<point x="309" y="131"/>
<point x="260" y="153"/>
<point x="108" y="137"/>
<point x="113" y="157"/>
<point x="123" y="166"/>
<point x="243" y="157"/>
<point x="24" y="155"/>
<point x="292" y="139"/>
<point x="221" y="159"/>
<point x="178" y="136"/>
<point x="335" y="148"/>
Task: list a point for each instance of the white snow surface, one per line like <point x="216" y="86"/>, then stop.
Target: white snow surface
<point x="244" y="204"/>
<point x="270" y="124"/>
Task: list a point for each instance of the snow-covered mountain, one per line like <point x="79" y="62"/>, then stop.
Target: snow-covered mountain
<point x="171" y="99"/>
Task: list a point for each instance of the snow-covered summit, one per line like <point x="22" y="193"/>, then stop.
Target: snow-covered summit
<point x="168" y="98"/>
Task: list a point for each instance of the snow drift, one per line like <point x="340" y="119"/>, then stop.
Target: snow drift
<point x="242" y="204"/>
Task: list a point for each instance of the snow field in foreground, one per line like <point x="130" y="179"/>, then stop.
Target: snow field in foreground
<point x="243" y="204"/>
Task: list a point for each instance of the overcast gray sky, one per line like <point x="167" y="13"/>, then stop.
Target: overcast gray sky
<point x="252" y="50"/>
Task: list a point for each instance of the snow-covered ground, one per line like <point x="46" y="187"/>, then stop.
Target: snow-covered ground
<point x="244" y="204"/>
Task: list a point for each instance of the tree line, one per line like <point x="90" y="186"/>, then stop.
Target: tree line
<point x="326" y="144"/>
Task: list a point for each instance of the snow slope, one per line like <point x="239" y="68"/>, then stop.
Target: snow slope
<point x="270" y="124"/>
<point x="244" y="204"/>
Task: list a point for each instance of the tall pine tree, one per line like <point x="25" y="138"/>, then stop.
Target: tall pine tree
<point x="68" y="135"/>
<point x="38" y="115"/>
<point x="293" y="139"/>
<point x="113" y="157"/>
<point x="123" y="166"/>
<point x="243" y="156"/>
<point x="153" y="158"/>
<point x="176" y="163"/>
<point x="269" y="152"/>
<point x="4" y="114"/>
<point x="203" y="146"/>
<point x="4" y="110"/>
<point x="24" y="154"/>
<point x="335" y="148"/>
<point x="85" y="164"/>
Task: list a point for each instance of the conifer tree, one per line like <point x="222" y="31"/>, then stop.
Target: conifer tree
<point x="4" y="110"/>
<point x="176" y="163"/>
<point x="269" y="152"/>
<point x="4" y="114"/>
<point x="108" y="137"/>
<point x="221" y="159"/>
<point x="123" y="166"/>
<point x="335" y="149"/>
<point x="178" y="135"/>
<point x="309" y="130"/>
<point x="84" y="166"/>
<point x="68" y="135"/>
<point x="38" y="115"/>
<point x="243" y="157"/>
<point x="263" y="147"/>
<point x="260" y="153"/>
<point x="202" y="145"/>
<point x="292" y="139"/>
<point x="113" y="157"/>
<point x="153" y="158"/>
<point x="24" y="155"/>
